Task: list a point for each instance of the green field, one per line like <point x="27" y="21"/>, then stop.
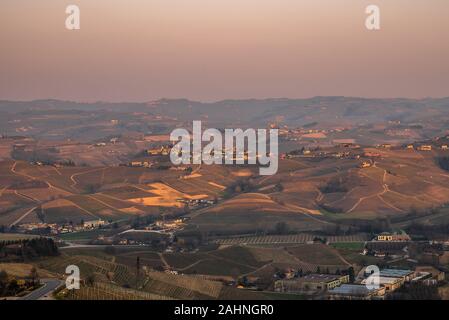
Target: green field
<point x="349" y="245"/>
<point x="82" y="235"/>
<point x="16" y="236"/>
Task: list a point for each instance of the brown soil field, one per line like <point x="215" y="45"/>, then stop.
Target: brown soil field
<point x="22" y="270"/>
<point x="66" y="214"/>
<point x="252" y="212"/>
<point x="165" y="196"/>
<point x="15" y="236"/>
<point x="318" y="135"/>
<point x="316" y="254"/>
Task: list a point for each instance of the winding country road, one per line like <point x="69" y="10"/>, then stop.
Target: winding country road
<point x="23" y="216"/>
<point x="49" y="286"/>
<point x="14" y="171"/>
<point x="72" y="177"/>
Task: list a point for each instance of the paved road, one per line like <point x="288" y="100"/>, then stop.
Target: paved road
<point x="71" y="245"/>
<point x="49" y="286"/>
<point x="22" y="217"/>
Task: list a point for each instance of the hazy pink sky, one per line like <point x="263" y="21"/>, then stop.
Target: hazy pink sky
<point x="139" y="50"/>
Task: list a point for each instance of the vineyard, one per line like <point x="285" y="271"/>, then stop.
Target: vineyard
<point x="89" y="265"/>
<point x="105" y="291"/>
<point x="86" y="264"/>
<point x="169" y="290"/>
<point x="113" y="280"/>
<point x="289" y="239"/>
<point x="182" y="286"/>
<point x="116" y="281"/>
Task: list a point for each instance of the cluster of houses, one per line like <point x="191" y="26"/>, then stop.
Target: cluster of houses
<point x="424" y="261"/>
<point x="434" y="253"/>
<point x="366" y="164"/>
<point x="139" y="164"/>
<point x="307" y="153"/>
<point x="399" y="246"/>
<point x="56" y="229"/>
<point x="59" y="164"/>
<point x="393" y="236"/>
<point x="113" y="140"/>
<point x="19" y="147"/>
<point x="420" y="147"/>
<point x="168" y="226"/>
<point x="144" y="162"/>
<point x="197" y="203"/>
<point x="161" y="151"/>
<point x="350" y="152"/>
<point x="299" y="133"/>
<point x="311" y="283"/>
<point x="388" y="245"/>
<point x="426" y="147"/>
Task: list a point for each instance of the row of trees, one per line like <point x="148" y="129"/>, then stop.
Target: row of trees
<point x="334" y="185"/>
<point x="443" y="162"/>
<point x="237" y="187"/>
<point x="416" y="291"/>
<point x="10" y="286"/>
<point x="428" y="231"/>
<point x="29" y="249"/>
<point x="48" y="157"/>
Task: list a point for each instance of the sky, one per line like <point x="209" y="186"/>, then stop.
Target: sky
<point x="208" y="50"/>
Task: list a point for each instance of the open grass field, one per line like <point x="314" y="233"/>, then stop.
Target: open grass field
<point x="252" y="212"/>
<point x="218" y="267"/>
<point x="354" y="256"/>
<point x="66" y="214"/>
<point x="82" y="235"/>
<point x="316" y="254"/>
<point x="309" y="258"/>
<point x="231" y="261"/>
<point x="15" y="236"/>
<point x="182" y="261"/>
<point x="356" y="246"/>
<point x="23" y="270"/>
<point x="249" y="222"/>
<point x="23" y="214"/>
<point x="159" y="194"/>
<point x="238" y="254"/>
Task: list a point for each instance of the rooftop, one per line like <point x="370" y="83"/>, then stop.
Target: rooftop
<point x="320" y="277"/>
<point x="395" y="273"/>
<point x="384" y="280"/>
<point x="430" y="269"/>
<point x="396" y="233"/>
<point x="351" y="290"/>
